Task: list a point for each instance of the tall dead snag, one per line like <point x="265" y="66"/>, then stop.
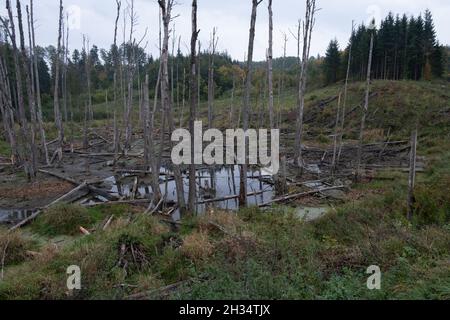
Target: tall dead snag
<point x="166" y="11"/>
<point x="270" y="66"/>
<point x="57" y="111"/>
<point x="30" y="93"/>
<point x="364" y="111"/>
<point x="130" y="77"/>
<point x="115" y="51"/>
<point x="87" y="71"/>
<point x="37" y="84"/>
<point x="308" y="26"/>
<point x="212" y="53"/>
<point x="149" y="142"/>
<point x="334" y="163"/>
<point x="344" y="107"/>
<point x="7" y="113"/>
<point x="24" y="142"/>
<point x="246" y="109"/>
<point x="412" y="174"/>
<point x="192" y="108"/>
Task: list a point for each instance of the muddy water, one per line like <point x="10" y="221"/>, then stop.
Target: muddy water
<point x="211" y="184"/>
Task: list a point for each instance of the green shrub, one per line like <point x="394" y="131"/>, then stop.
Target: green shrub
<point x="63" y="219"/>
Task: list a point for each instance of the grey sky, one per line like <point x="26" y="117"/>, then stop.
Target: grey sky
<point x="232" y="19"/>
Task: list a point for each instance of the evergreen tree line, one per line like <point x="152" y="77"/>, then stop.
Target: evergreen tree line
<point x="404" y="48"/>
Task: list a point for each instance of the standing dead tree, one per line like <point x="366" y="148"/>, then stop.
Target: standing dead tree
<point x="87" y="71"/>
<point x="129" y="79"/>
<point x="344" y="107"/>
<point x="7" y="112"/>
<point x="24" y="141"/>
<point x="212" y="53"/>
<point x="193" y="104"/>
<point x="334" y="162"/>
<point x="166" y="12"/>
<point x="365" y="109"/>
<point x="246" y="108"/>
<point x="56" y="106"/>
<point x="308" y="26"/>
<point x="412" y="174"/>
<point x="270" y="66"/>
<point x="37" y="84"/>
<point x="30" y="94"/>
<point x="149" y="142"/>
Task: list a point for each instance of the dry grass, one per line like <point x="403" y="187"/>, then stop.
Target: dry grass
<point x="13" y="247"/>
<point x="41" y="189"/>
<point x="197" y="246"/>
<point x="228" y="220"/>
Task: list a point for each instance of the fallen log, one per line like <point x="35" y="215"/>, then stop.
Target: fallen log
<point x="34" y="215"/>
<point x="230" y="197"/>
<point x="298" y="195"/>
<point x="91" y="188"/>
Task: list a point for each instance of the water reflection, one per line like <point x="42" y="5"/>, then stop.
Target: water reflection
<point x="211" y="184"/>
<point x="14" y="215"/>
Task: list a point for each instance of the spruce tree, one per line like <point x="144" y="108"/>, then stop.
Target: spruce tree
<point x="332" y="62"/>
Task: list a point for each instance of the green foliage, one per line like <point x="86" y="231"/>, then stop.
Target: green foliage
<point x="332" y="62"/>
<point x="64" y="219"/>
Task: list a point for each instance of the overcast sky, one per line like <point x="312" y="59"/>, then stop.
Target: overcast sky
<point x="232" y="18"/>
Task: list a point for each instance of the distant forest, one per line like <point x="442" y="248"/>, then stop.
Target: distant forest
<point x="405" y="48"/>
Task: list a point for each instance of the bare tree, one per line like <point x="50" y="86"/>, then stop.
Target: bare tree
<point x="7" y="113"/>
<point x="212" y="53"/>
<point x="365" y="110"/>
<point x="149" y="143"/>
<point x="270" y="66"/>
<point x="130" y="77"/>
<point x="336" y="133"/>
<point x="24" y="138"/>
<point x="58" y="116"/>
<point x="37" y="85"/>
<point x="412" y="174"/>
<point x="30" y="94"/>
<point x="166" y="11"/>
<point x="248" y="88"/>
<point x="193" y="105"/>
<point x="308" y="26"/>
<point x="344" y="107"/>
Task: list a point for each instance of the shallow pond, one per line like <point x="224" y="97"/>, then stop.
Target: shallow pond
<point x="12" y="216"/>
<point x="211" y="184"/>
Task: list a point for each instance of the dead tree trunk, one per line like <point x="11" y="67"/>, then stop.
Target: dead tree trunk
<point x="38" y="86"/>
<point x="212" y="53"/>
<point x="24" y="138"/>
<point x="130" y="77"/>
<point x="150" y="158"/>
<point x="364" y="112"/>
<point x="193" y="105"/>
<point x="7" y="114"/>
<point x="246" y="109"/>
<point x="270" y="66"/>
<point x="308" y="26"/>
<point x="334" y="162"/>
<point x="166" y="11"/>
<point x="30" y="93"/>
<point x="87" y="70"/>
<point x="344" y="107"/>
<point x="412" y="174"/>
<point x="58" y="116"/>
